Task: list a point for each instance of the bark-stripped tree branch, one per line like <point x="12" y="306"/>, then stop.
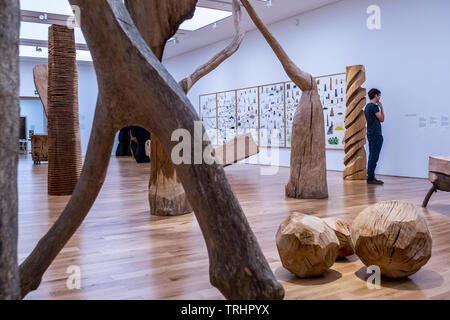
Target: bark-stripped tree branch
<point x="188" y="82"/>
<point x="308" y="178"/>
<point x="140" y="91"/>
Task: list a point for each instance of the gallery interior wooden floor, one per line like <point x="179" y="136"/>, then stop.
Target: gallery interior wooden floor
<point x="124" y="253"/>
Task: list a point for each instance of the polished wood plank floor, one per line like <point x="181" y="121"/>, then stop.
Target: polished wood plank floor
<point x="124" y="253"/>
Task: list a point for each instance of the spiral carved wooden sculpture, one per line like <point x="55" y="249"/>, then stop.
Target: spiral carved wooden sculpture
<point x="40" y="76"/>
<point x="141" y="92"/>
<point x="308" y="247"/>
<point x="9" y="135"/>
<point x="394" y="236"/>
<point x="155" y="21"/>
<point x="64" y="145"/>
<point x="308" y="158"/>
<point x="355" y="124"/>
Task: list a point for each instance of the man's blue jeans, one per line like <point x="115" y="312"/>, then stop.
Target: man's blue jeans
<point x="375" y="145"/>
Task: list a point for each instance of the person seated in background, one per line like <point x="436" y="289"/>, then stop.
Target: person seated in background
<point x="374" y="112"/>
<point x="141" y="136"/>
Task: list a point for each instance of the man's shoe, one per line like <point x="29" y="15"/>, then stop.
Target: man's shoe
<point x="375" y="181"/>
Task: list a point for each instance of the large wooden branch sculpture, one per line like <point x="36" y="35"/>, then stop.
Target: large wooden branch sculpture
<point x="308" y="158"/>
<point x="140" y="91"/>
<point x="158" y="22"/>
<point x="188" y="82"/>
<point x="40" y="76"/>
<point x="9" y="135"/>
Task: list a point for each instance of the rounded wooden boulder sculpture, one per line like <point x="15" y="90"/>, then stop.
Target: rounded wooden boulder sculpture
<point x="342" y="230"/>
<point x="394" y="236"/>
<point x="308" y="247"/>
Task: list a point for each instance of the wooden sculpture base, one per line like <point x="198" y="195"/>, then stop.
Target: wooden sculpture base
<point x="439" y="176"/>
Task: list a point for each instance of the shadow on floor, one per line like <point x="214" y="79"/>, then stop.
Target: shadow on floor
<point x="329" y="276"/>
<point x="422" y="280"/>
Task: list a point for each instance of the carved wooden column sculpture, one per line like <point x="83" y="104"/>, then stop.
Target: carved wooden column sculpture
<point x="64" y="145"/>
<point x="308" y="158"/>
<point x="154" y="19"/>
<point x="40" y="76"/>
<point x="9" y="136"/>
<point x="140" y="91"/>
<point x="355" y="124"/>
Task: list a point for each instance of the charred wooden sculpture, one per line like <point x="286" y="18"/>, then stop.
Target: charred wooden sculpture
<point x="140" y="91"/>
<point x="308" y="158"/>
<point x="64" y="141"/>
<point x="355" y="124"/>
<point x="158" y="21"/>
<point x="9" y="135"/>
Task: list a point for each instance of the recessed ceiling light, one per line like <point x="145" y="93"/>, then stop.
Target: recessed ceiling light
<point x="203" y="17"/>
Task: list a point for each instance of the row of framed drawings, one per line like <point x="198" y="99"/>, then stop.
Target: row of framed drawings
<point x="268" y="112"/>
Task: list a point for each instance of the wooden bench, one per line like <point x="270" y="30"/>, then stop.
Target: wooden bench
<point x="439" y="175"/>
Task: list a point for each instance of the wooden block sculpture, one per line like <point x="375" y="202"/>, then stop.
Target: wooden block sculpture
<point x="39" y="148"/>
<point x="157" y="22"/>
<point x="439" y="175"/>
<point x="308" y="247"/>
<point x="355" y="123"/>
<point x="308" y="178"/>
<point x="136" y="89"/>
<point x="394" y="236"/>
<point x="40" y="76"/>
<point x="64" y="145"/>
<point x="342" y="230"/>
<point x="240" y="148"/>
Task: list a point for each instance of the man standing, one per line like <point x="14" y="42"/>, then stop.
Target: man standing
<point x="375" y="116"/>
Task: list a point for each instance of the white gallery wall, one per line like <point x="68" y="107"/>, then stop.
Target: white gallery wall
<point x="407" y="59"/>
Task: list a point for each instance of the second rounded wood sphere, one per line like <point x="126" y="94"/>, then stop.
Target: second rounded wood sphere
<point x="308" y="247"/>
<point x="394" y="236"/>
<point x="342" y="229"/>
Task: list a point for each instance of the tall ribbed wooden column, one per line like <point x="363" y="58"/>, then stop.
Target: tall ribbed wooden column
<point x="355" y="124"/>
<point x="64" y="145"/>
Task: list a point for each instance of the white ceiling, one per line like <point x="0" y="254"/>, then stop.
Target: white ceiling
<point x="187" y="40"/>
<point x="280" y="10"/>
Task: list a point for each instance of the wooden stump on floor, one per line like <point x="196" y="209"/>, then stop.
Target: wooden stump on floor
<point x="394" y="236"/>
<point x="355" y="123"/>
<point x="39" y="148"/>
<point x="64" y="145"/>
<point x="308" y="247"/>
<point x="342" y="230"/>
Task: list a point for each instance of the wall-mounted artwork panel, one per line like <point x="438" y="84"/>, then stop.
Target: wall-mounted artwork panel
<point x="272" y="116"/>
<point x="208" y="115"/>
<point x="332" y="92"/>
<point x="293" y="95"/>
<point x="226" y="116"/>
<point x="248" y="112"/>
